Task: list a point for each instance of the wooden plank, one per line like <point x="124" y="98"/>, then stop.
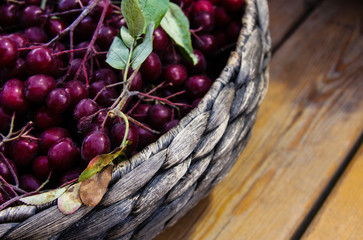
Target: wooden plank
<point x="285" y="14"/>
<point x="341" y="215"/>
<point x="310" y="119"/>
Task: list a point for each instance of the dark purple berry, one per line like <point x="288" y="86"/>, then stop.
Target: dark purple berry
<point x="8" y="52"/>
<point x="94" y="144"/>
<point x="37" y="87"/>
<point x="233" y="5"/>
<point x="46" y="118"/>
<point x="40" y="60"/>
<point x="85" y="108"/>
<point x="106" y="75"/>
<point x="29" y="183"/>
<point x="50" y="136"/>
<point x="41" y="168"/>
<point x="35" y="35"/>
<point x="58" y="100"/>
<point x="55" y="27"/>
<point x="175" y="74"/>
<point x="5" y="171"/>
<point x="32" y="15"/>
<point x="160" y="40"/>
<point x="197" y="86"/>
<point x="118" y="133"/>
<point x="63" y="155"/>
<point x="77" y="90"/>
<point x="145" y="138"/>
<point x="9" y="14"/>
<point x="151" y="68"/>
<point x="203" y="21"/>
<point x="12" y="96"/>
<point x="169" y="125"/>
<point x="158" y="115"/>
<point x="24" y="150"/>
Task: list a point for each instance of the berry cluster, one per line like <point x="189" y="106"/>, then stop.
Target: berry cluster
<point x="57" y="90"/>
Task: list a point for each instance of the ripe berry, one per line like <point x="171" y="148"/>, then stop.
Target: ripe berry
<point x="77" y="90"/>
<point x="118" y="133"/>
<point x="15" y="71"/>
<point x="24" y="150"/>
<point x="9" y="14"/>
<point x="145" y="138"/>
<point x="106" y="75"/>
<point x="8" y="52"/>
<point x="58" y="100"/>
<point x="151" y="68"/>
<point x="5" y="172"/>
<point x="140" y="112"/>
<point x="203" y="6"/>
<point x="29" y="183"/>
<point x="40" y="60"/>
<point x="198" y="85"/>
<point x="169" y="125"/>
<point x="160" y="40"/>
<point x="97" y="11"/>
<point x="106" y="96"/>
<point x="5" y="119"/>
<point x="175" y="74"/>
<point x="94" y="144"/>
<point x="233" y="5"/>
<point x="70" y="175"/>
<point x="158" y="115"/>
<point x="50" y="136"/>
<point x="75" y="65"/>
<point x="55" y="27"/>
<point x="37" y="87"/>
<point x="41" y="168"/>
<point x="12" y="96"/>
<point x="105" y="37"/>
<point x="46" y="118"/>
<point x="201" y="65"/>
<point x="63" y="155"/>
<point x="204" y="21"/>
<point x="233" y="30"/>
<point x="221" y="17"/>
<point x="35" y="35"/>
<point x="206" y="44"/>
<point x="85" y="108"/>
<point x="183" y="3"/>
<point x="136" y="84"/>
<point x="86" y="28"/>
<point x="31" y="16"/>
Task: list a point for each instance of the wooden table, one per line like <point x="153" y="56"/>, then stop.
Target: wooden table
<point x="301" y="175"/>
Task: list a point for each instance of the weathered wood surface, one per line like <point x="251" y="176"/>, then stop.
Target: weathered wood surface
<point x="306" y="127"/>
<point x="341" y="215"/>
<point x="285" y="15"/>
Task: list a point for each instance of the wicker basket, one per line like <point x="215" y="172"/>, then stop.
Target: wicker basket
<point x="169" y="177"/>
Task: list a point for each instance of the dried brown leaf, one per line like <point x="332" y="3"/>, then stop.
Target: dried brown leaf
<point x="92" y="189"/>
<point x="70" y="201"/>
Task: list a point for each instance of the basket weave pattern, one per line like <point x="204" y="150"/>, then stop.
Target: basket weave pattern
<point x="161" y="183"/>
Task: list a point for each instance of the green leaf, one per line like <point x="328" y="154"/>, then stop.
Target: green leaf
<point x="143" y="50"/>
<point x="126" y="37"/>
<point x="99" y="162"/>
<point x="154" y="11"/>
<point x="118" y="54"/>
<point x="135" y="19"/>
<point x="70" y="201"/>
<point x="44" y="197"/>
<point x="176" y="25"/>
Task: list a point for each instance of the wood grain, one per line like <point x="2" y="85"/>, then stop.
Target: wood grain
<point x="341" y="215"/>
<point x="285" y="14"/>
<point x="310" y="119"/>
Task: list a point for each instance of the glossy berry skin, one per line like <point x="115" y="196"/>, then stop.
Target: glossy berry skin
<point x="20" y="40"/>
<point x="105" y="37"/>
<point x="70" y="175"/>
<point x="97" y="11"/>
<point x="203" y="6"/>
<point x="151" y="68"/>
<point x="58" y="100"/>
<point x="35" y="35"/>
<point x="9" y="14"/>
<point x="15" y="71"/>
<point x="46" y="118"/>
<point x="94" y="144"/>
<point x="160" y="40"/>
<point x="5" y="172"/>
<point x="8" y="52"/>
<point x="158" y="115"/>
<point x="75" y="65"/>
<point x="86" y="28"/>
<point x="77" y="90"/>
<point x="118" y="133"/>
<point x="201" y="65"/>
<point x="85" y="108"/>
<point x="175" y="74"/>
<point x="31" y="16"/>
<point x="197" y="86"/>
<point x="136" y="84"/>
<point x="12" y="96"/>
<point x="106" y="96"/>
<point x="140" y="112"/>
<point x="183" y="3"/>
<point x="233" y="5"/>
<point x="106" y="75"/>
<point x="65" y="5"/>
<point x="63" y="155"/>
<point x="41" y="168"/>
<point x="29" y="183"/>
<point x="37" y="87"/>
<point x="206" y="44"/>
<point x="55" y="27"/>
<point x="50" y="136"/>
<point x="40" y="60"/>
<point x="24" y="150"/>
<point x="203" y="21"/>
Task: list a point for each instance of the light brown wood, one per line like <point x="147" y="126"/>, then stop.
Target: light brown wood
<point x="285" y="14"/>
<point x="309" y="121"/>
<point x="341" y="215"/>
